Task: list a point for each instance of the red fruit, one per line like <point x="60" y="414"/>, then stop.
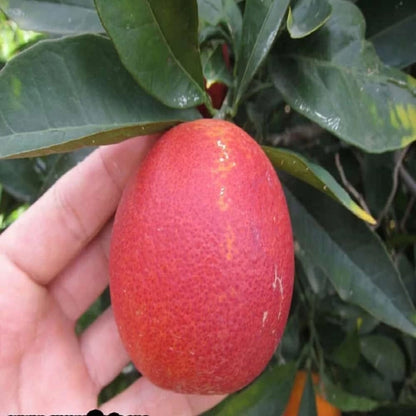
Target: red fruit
<point x="201" y="260"/>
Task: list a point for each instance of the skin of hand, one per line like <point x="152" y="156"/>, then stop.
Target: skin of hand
<point x="53" y="265"/>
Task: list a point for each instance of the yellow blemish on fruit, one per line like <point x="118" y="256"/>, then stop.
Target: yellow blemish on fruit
<point x="222" y="202"/>
<point x="221" y="297"/>
<point x="229" y="243"/>
<point x="222" y="168"/>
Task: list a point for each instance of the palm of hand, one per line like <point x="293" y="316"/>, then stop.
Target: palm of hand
<point x="53" y="265"/>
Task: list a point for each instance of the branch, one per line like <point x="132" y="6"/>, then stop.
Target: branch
<point x="398" y="158"/>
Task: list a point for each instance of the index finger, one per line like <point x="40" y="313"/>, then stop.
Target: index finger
<point x="71" y="213"/>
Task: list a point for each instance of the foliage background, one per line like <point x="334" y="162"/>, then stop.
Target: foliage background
<point x="333" y="102"/>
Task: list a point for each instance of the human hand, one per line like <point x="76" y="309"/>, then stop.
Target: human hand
<point x="53" y="265"/>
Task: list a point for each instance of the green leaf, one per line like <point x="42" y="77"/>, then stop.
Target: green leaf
<point x="307" y="403"/>
<point x="13" y="216"/>
<point x="335" y="78"/>
<point x="351" y="255"/>
<point x="391" y="29"/>
<point x="290" y="345"/>
<point x="267" y="395"/>
<point x="222" y="12"/>
<point x="214" y="66"/>
<point x="261" y="22"/>
<point x="20" y="178"/>
<point x="377" y="177"/>
<point x="315" y="276"/>
<point x="157" y="41"/>
<point x="306" y="16"/>
<point x="347" y="354"/>
<point x="407" y="273"/>
<point x="13" y="39"/>
<point x="54" y="16"/>
<point x="316" y="176"/>
<point x="345" y="401"/>
<point x="60" y="95"/>
<point x="350" y="317"/>
<point x="364" y="381"/>
<point x="26" y="179"/>
<point x="384" y="355"/>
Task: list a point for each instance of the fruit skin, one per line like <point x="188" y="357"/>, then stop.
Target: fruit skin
<point x="202" y="261"/>
<point x="323" y="407"/>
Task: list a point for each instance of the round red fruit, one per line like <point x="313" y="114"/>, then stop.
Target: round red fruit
<point x="202" y="260"/>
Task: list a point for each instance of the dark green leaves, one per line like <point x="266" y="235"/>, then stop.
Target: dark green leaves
<point x="384" y="355"/>
<point x="214" y="14"/>
<point x="214" y="66"/>
<point x="64" y="94"/>
<point x="261" y="22"/>
<point x="26" y="179"/>
<point x="267" y="395"/>
<point x="335" y="78"/>
<point x="351" y="256"/>
<point x="347" y="401"/>
<point x="54" y="16"/>
<point x="316" y="176"/>
<point x="391" y="28"/>
<point x="157" y="41"/>
<point x="306" y="16"/>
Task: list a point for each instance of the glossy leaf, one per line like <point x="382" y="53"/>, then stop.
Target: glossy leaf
<point x="351" y="255"/>
<point x="157" y="41"/>
<point x="346" y="401"/>
<point x="261" y="22"/>
<point x="54" y="16"/>
<point x="267" y="395"/>
<point x="73" y="92"/>
<point x="214" y="66"/>
<point x="335" y="78"/>
<point x="384" y="355"/>
<point x="307" y="403"/>
<point x="316" y="176"/>
<point x="306" y="16"/>
<point x="391" y="29"/>
<point x="222" y="12"/>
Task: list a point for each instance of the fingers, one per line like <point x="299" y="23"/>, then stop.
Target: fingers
<point x="85" y="278"/>
<point x="103" y="352"/>
<point x="105" y="357"/>
<point x="143" y="397"/>
<point x="69" y="214"/>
